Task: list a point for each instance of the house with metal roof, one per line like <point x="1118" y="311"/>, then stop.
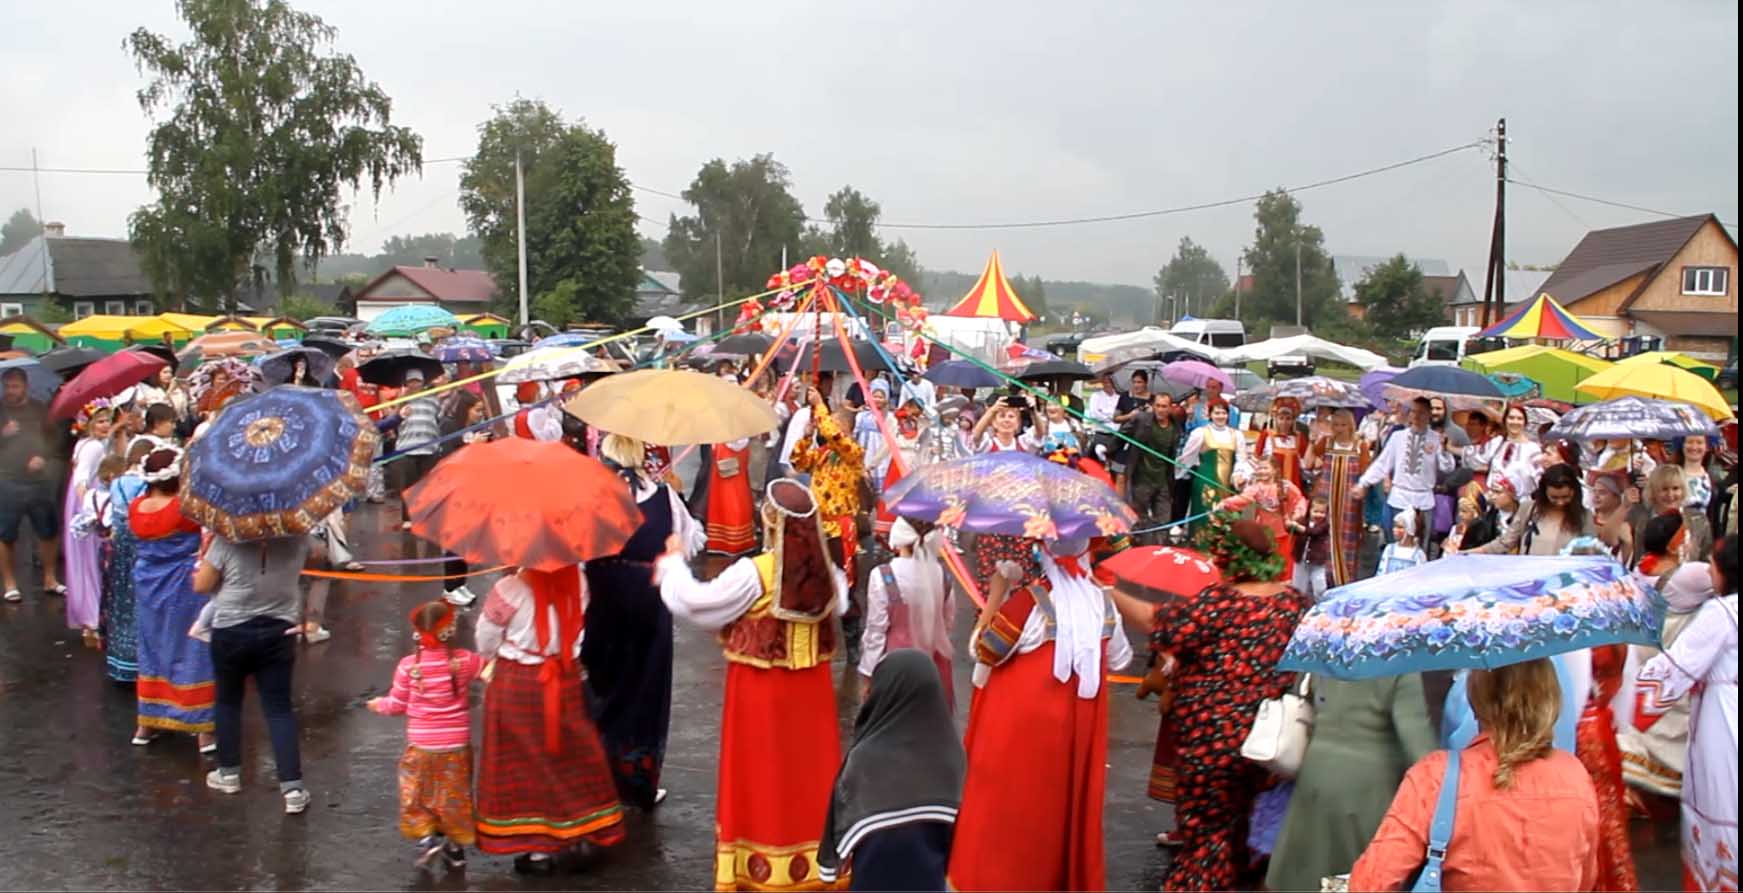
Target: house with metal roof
<point x="1517" y="287"/>
<point x="1674" y="279"/>
<point x="461" y="292"/>
<point x="83" y="276"/>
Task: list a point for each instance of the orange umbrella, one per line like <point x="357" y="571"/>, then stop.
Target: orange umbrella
<point x="218" y="345"/>
<point x="518" y="502"/>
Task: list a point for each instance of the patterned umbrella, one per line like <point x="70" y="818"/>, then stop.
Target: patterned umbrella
<point x="222" y="345"/>
<point x="552" y="363"/>
<point x="464" y="349"/>
<point x="276" y="463"/>
<point x="1473" y="611"/>
<point x="1633" y="418"/>
<point x="1012" y="493"/>
<point x="518" y="502"/>
<point x="1314" y="391"/>
<point x="1158" y="573"/>
<point x="412" y="319"/>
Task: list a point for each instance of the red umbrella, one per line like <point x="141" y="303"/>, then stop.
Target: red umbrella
<point x="526" y="503"/>
<point x="105" y="378"/>
<point x="1156" y="573"/>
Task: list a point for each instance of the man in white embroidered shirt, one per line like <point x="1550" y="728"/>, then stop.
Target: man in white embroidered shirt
<point x="1408" y="463"/>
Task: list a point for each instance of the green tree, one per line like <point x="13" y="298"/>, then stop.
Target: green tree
<point x="853" y="221"/>
<point x="449" y="250"/>
<point x="265" y="128"/>
<point x="901" y="260"/>
<point x="1271" y="259"/>
<point x="654" y="255"/>
<point x="1194" y="275"/>
<point x="749" y="206"/>
<point x="1394" y="299"/>
<point x="19" y="229"/>
<point x="580" y="214"/>
<point x="305" y="307"/>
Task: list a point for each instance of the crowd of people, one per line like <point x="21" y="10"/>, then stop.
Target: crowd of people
<point x="576" y="664"/>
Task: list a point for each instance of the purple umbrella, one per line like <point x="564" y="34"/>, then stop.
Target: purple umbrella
<point x="1011" y="493"/>
<point x="1195" y="373"/>
<point x="1373" y="383"/>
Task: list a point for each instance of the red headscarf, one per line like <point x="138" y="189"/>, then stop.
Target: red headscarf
<point x="559" y="590"/>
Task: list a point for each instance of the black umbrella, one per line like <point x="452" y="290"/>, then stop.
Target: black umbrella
<point x="67" y="361"/>
<point x="332" y="347"/>
<point x="745" y="344"/>
<point x="157" y="350"/>
<point x="834" y="359"/>
<point x="389" y="369"/>
<point x="1051" y="369"/>
<point x="277" y="368"/>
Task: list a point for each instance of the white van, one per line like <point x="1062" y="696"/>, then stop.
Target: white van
<point x="1444" y="346"/>
<point x="1222" y="333"/>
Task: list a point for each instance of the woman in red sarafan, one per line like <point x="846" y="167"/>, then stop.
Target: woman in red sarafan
<point x="1226" y="643"/>
<point x="1595" y="745"/>
<point x="730" y="516"/>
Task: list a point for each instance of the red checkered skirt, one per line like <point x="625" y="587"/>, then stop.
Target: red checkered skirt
<point x="529" y="799"/>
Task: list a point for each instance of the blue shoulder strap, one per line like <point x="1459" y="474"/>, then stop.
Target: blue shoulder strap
<point x="1441" y="829"/>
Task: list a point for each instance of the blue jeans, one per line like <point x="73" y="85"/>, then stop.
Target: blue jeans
<point x="258" y="648"/>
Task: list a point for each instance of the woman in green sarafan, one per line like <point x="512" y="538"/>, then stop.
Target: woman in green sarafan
<point x="1212" y="454"/>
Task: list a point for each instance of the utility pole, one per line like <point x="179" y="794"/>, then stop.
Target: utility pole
<point x="1495" y="278"/>
<point x="36" y="180"/>
<point x="1298" y="276"/>
<point x="520" y="232"/>
<point x="1238" y="259"/>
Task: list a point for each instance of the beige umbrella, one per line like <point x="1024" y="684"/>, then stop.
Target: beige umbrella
<point x="672" y="406"/>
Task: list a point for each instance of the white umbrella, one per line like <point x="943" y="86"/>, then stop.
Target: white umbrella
<point x="665" y="324"/>
<point x="552" y="363"/>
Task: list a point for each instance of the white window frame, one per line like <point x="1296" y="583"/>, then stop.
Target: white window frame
<point x="143" y="308"/>
<point x="114" y="308"/>
<point x="82" y="309"/>
<point x="1692" y="281"/>
<point x="11" y="309"/>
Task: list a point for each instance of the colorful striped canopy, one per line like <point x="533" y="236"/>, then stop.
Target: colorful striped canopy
<point x="992" y="297"/>
<point x="1542" y="318"/>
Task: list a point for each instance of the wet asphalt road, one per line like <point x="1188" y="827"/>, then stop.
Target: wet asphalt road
<point x="82" y="809"/>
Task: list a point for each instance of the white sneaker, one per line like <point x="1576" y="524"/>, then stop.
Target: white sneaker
<point x="223" y="782"/>
<point x="317" y="635"/>
<point x="295" y="801"/>
<point x="461" y="596"/>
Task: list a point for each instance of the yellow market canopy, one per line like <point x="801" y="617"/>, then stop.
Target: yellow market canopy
<point x="120" y="328"/>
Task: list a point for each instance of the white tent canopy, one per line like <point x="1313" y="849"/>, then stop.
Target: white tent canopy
<point x="1304" y="345"/>
<point x="1131" y="345"/>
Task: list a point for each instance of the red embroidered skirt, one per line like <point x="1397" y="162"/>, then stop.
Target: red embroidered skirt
<point x="1031" y="816"/>
<point x="780" y="748"/>
<point x="529" y="799"/>
<point x="730" y="516"/>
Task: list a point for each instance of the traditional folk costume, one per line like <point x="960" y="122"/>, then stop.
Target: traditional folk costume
<point x="431" y="689"/>
<point x="1286" y="446"/>
<point x="81" y="549"/>
<point x="908" y="605"/>
<point x="1411" y="460"/>
<point x="543" y="781"/>
<point x="1595" y="745"/>
<point x="1212" y="453"/>
<point x="893" y="812"/>
<point x="177" y="687"/>
<point x="1274" y="505"/>
<point x="1341" y="466"/>
<point x="120" y="629"/>
<point x="779" y="742"/>
<point x="1653" y="759"/>
<point x="628" y="654"/>
<point x="908" y="435"/>
<point x="1702" y="663"/>
<point x="1031" y="816"/>
<point x="730" y="513"/>
<point x="991" y="548"/>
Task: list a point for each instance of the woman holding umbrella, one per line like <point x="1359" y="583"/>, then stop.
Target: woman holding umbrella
<point x="176" y="687"/>
<point x="629" y="654"/>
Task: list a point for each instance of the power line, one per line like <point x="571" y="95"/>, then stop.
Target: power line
<point x="1604" y="201"/>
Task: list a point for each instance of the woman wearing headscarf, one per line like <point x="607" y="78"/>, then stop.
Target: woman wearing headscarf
<point x="1283" y="440"/>
<point x="1037" y="735"/>
<point x="908" y="605"/>
<point x="1226" y="642"/>
<point x="544" y="784"/>
<point x="176" y="688"/>
<point x="629" y="654"/>
<point x="1702" y="664"/>
<point x="779" y="741"/>
<point x="893" y="811"/>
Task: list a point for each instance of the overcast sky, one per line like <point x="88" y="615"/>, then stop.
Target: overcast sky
<point x="963" y="112"/>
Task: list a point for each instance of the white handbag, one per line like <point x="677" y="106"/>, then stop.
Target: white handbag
<point x="1278" y="738"/>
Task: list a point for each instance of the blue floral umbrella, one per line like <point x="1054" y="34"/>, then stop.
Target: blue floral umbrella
<point x="276" y="463"/>
<point x="464" y="349"/>
<point x="1011" y="493"/>
<point x="1471" y="612"/>
<point x="412" y="319"/>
